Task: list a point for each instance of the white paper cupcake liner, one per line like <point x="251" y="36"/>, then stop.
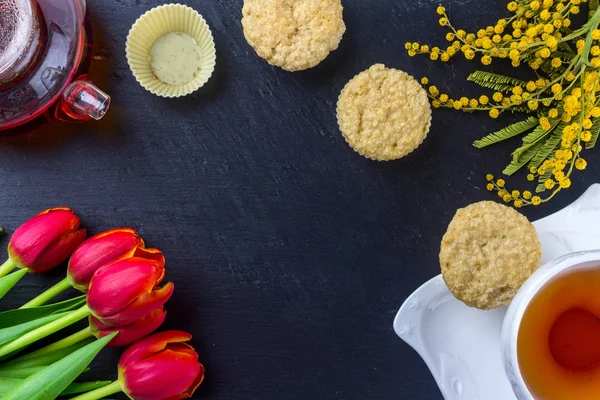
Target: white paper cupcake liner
<point x="157" y="22"/>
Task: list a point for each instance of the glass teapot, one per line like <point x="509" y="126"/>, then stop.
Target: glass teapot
<point x="42" y="43"/>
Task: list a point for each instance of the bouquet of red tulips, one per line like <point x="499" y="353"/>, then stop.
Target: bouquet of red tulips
<point x="122" y="299"/>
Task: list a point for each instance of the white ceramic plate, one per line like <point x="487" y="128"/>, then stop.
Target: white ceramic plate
<point x="461" y="345"/>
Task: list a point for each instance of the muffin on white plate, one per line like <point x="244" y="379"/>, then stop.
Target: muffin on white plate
<point x="487" y="253"/>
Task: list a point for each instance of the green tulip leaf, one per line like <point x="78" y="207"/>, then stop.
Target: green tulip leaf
<point x="8" y="384"/>
<point x="13" y="332"/>
<point x="7" y="282"/>
<point x="9" y="368"/>
<point x="20" y="373"/>
<point x="50" y="382"/>
<point x="82" y="387"/>
<point x="23" y="373"/>
<point x="20" y="316"/>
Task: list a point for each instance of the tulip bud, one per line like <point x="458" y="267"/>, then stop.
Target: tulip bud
<point x="160" y="367"/>
<point x="131" y="333"/>
<point x="103" y="249"/>
<point x="127" y="290"/>
<point x="46" y="240"/>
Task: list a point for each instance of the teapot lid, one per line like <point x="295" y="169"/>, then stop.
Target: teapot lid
<point x="16" y="33"/>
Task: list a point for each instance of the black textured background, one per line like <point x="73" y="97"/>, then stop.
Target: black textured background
<point x="290" y="253"/>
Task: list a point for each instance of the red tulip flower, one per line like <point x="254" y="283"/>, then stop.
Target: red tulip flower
<point x="103" y="249"/>
<point x="161" y="367"/>
<point x="46" y="240"/>
<point x="130" y="333"/>
<point x="127" y="290"/>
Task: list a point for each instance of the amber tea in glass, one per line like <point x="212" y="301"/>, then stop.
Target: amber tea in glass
<point x="558" y="343"/>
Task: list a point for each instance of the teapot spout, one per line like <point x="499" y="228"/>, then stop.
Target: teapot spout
<point x="82" y="101"/>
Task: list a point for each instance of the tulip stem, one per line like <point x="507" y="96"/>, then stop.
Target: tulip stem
<point x="61" y="344"/>
<point x="43" y="331"/>
<point x="48" y="295"/>
<point x="7" y="267"/>
<point x="100" y="393"/>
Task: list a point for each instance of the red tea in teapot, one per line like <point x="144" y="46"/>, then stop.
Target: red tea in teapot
<point x="558" y="345"/>
<point x="42" y="44"/>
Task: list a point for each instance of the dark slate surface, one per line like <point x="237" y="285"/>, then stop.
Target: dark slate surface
<point x="290" y="253"/>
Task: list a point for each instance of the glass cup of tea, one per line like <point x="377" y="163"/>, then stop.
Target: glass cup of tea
<point x="551" y="332"/>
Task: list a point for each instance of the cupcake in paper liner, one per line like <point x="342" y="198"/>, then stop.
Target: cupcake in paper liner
<point x="383" y="113"/>
<point x="170" y="50"/>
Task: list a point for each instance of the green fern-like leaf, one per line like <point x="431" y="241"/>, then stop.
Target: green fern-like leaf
<point x="550" y="71"/>
<point x="593" y="6"/>
<point x="564" y="47"/>
<point x="519" y="109"/>
<point x="523" y="159"/>
<point x="595" y="129"/>
<point x="532" y="144"/>
<point x="547" y="148"/>
<point x="516" y="155"/>
<point x="537" y="134"/>
<point x="566" y="55"/>
<point x="506" y="133"/>
<point x="496" y="82"/>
